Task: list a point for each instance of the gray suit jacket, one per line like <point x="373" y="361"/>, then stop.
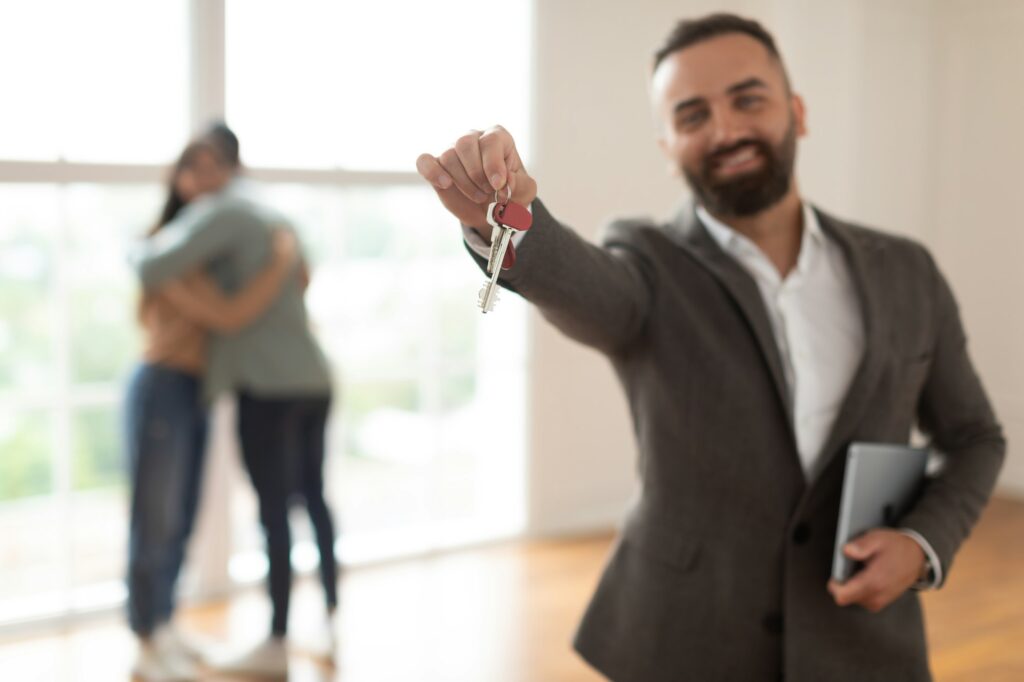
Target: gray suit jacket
<point x="229" y="234"/>
<point x="721" y="568"/>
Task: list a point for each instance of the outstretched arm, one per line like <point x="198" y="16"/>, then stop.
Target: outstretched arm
<point x="599" y="296"/>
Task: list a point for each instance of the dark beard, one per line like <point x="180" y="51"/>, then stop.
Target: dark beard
<point x="751" y="193"/>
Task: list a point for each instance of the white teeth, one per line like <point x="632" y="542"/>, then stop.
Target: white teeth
<point x="738" y="157"/>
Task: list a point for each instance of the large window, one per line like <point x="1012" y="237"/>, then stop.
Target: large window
<point x="332" y="102"/>
<point x="104" y="80"/>
<point x="371" y="85"/>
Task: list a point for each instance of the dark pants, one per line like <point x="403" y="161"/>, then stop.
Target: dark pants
<point x="165" y="439"/>
<point x="283" y="448"/>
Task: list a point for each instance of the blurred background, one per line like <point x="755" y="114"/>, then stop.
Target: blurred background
<point x="332" y="102"/>
<point x="914" y="111"/>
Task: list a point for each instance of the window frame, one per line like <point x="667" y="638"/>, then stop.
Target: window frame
<point x="206" y="28"/>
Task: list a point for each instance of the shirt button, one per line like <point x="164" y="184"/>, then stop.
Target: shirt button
<point x="772" y="622"/>
<point x="801" y="534"/>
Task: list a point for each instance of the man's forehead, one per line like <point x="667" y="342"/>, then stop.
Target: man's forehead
<point x="710" y="67"/>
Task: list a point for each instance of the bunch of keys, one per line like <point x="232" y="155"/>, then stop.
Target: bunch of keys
<point x="505" y="218"/>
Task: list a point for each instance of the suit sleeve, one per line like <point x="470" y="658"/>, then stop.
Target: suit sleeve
<point x="955" y="412"/>
<point x="600" y="296"/>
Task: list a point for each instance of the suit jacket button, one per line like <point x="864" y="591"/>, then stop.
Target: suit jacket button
<point x="801" y="534"/>
<point x="773" y="623"/>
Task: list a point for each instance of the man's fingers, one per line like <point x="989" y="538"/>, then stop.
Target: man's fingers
<point x="865" y="589"/>
<point x="891" y="565"/>
<point x="497" y="150"/>
<point x="452" y="164"/>
<point x="430" y="168"/>
<point x="467" y="175"/>
<point x="524" y="187"/>
<point x="467" y="148"/>
<point x="856" y="590"/>
<point x="865" y="546"/>
<point x="500" y="154"/>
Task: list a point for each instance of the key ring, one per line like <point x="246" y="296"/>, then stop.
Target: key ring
<point x="507" y="199"/>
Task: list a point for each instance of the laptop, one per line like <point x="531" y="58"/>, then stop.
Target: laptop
<point x="880" y="485"/>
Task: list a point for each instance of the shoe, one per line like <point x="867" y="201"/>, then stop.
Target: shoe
<point x="154" y="664"/>
<point x="269" y="658"/>
<point x="320" y="642"/>
<point x="182" y="643"/>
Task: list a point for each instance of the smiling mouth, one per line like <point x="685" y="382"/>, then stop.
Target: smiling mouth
<point x="744" y="159"/>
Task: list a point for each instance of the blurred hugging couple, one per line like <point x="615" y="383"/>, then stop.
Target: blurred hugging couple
<point x="222" y="311"/>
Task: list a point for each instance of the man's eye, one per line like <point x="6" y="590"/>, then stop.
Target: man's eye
<point x="692" y="118"/>
<point x="748" y="101"/>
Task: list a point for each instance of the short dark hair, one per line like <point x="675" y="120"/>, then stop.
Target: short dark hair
<point x="692" y="31"/>
<point x="224" y="139"/>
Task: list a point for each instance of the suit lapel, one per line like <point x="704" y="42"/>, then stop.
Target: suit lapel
<point x="865" y="258"/>
<point x="688" y="231"/>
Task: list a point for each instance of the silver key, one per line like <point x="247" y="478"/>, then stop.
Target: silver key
<point x="501" y="238"/>
<point x="499" y="245"/>
<point x="496" y="230"/>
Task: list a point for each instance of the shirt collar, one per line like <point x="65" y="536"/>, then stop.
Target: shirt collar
<point x="732" y="241"/>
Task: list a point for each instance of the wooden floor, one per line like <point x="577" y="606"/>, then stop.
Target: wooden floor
<point x="507" y="613"/>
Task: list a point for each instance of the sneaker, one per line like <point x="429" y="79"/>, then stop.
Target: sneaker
<point x="320" y="642"/>
<point x="154" y="664"/>
<point x="182" y="643"/>
<point x="269" y="658"/>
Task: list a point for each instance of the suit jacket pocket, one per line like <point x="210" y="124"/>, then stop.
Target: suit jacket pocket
<point x="666" y="544"/>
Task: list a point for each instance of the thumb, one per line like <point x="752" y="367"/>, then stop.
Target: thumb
<point x="863" y="547"/>
<point x="524" y="187"/>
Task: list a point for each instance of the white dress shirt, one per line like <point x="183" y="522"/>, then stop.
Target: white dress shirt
<point x="816" y="319"/>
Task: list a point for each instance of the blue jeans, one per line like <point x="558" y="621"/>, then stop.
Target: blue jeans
<point x="283" y="448"/>
<point x="165" y="441"/>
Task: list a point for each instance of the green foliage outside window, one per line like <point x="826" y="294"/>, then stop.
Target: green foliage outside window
<point x="25" y="464"/>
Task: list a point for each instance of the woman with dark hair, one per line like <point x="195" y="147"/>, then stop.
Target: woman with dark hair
<point x="166" y="419"/>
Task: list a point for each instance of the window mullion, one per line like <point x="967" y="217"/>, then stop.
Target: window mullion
<point x="207" y="54"/>
<point x="63" y="434"/>
<point x="213" y="537"/>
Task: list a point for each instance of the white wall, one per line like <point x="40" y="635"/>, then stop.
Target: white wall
<point x="977" y="232"/>
<point x="594" y="157"/>
<point x="895" y="113"/>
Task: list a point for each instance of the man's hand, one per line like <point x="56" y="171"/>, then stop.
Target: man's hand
<point x="466" y="175"/>
<point x="892" y="561"/>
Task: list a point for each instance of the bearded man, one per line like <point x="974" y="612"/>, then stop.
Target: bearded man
<point x="756" y="337"/>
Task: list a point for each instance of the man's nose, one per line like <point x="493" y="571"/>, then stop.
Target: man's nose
<point x="727" y="127"/>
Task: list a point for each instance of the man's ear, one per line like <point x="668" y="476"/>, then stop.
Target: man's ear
<point x="799" y="114"/>
<point x="672" y="166"/>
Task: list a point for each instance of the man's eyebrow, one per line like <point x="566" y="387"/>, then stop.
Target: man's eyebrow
<point x="693" y="101"/>
<point x="753" y="82"/>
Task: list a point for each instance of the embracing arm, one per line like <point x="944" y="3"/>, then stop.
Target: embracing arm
<point x="200" y="233"/>
<point x="199" y="298"/>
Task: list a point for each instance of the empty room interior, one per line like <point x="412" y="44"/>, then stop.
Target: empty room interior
<point x="523" y="341"/>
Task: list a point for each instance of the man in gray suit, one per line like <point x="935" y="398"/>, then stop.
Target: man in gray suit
<point x="755" y="336"/>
